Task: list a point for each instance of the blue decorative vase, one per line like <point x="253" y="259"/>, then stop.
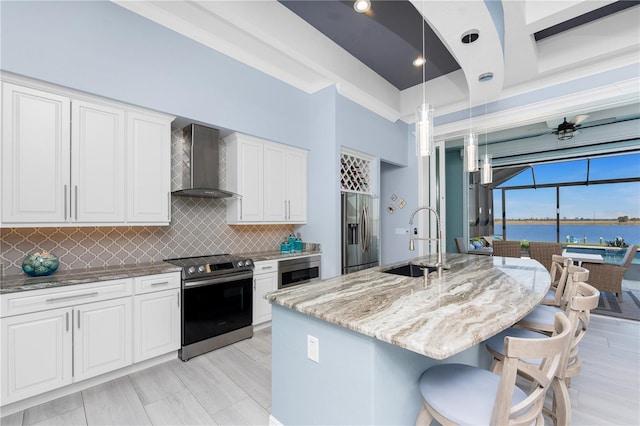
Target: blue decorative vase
<point x="40" y="264"/>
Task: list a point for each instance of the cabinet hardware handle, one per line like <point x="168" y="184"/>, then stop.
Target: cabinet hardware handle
<point x="178" y="298"/>
<point x="240" y="208"/>
<point x="160" y="283"/>
<point x="254" y="284"/>
<point x="65" y="202"/>
<point x="169" y="206"/>
<point x="76" y="190"/>
<point x="77" y="296"/>
<point x="78" y="319"/>
<point x="67" y="321"/>
<point x="285" y="209"/>
<point x="267" y="267"/>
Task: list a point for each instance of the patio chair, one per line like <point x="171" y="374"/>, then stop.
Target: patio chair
<point x="462" y="248"/>
<point x="506" y="248"/>
<point x="543" y="252"/>
<point x="608" y="276"/>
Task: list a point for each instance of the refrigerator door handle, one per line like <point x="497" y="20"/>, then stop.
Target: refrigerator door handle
<point x="363" y="232"/>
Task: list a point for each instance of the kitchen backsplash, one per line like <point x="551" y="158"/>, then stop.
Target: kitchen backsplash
<point x="198" y="227"/>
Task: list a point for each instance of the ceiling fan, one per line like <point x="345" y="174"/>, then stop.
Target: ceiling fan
<point x="566" y="129"/>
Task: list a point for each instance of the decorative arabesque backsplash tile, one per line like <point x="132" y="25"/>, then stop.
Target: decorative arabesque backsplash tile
<point x="198" y="227"/>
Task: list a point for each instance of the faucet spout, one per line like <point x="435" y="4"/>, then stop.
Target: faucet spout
<point x="438" y="238"/>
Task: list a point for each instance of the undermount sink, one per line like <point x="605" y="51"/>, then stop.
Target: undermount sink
<point x="411" y="270"/>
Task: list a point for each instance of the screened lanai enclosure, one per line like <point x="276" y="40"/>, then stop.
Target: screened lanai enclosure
<point x="590" y="200"/>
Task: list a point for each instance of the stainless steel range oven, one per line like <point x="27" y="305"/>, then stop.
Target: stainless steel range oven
<point x="217" y="302"/>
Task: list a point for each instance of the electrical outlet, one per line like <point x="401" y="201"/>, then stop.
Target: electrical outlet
<point x="313" y="348"/>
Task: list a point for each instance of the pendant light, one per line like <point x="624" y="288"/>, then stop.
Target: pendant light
<point x="470" y="140"/>
<point x="486" y="174"/>
<point x="471" y="151"/>
<point x="424" y="114"/>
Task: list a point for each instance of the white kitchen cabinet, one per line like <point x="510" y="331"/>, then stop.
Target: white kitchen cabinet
<point x="97" y="169"/>
<point x="54" y="337"/>
<point x="36" y="353"/>
<point x="245" y="168"/>
<point x="148" y="168"/>
<point x="295" y="185"/>
<point x="71" y="159"/>
<point x="271" y="179"/>
<point x="156" y="316"/>
<point x="265" y="279"/>
<point x="36" y="144"/>
<point x="102" y="337"/>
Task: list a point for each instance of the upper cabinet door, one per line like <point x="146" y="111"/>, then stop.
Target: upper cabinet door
<point x="148" y="169"/>
<point x="296" y="186"/>
<point x="275" y="203"/>
<point x="35" y="156"/>
<point x="97" y="173"/>
<point x="245" y="168"/>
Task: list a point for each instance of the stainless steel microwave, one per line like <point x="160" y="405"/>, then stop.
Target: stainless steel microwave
<point x="298" y="270"/>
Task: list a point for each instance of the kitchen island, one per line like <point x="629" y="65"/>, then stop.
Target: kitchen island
<point x="375" y="333"/>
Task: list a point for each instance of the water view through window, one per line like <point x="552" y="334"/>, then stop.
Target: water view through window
<point x="594" y="201"/>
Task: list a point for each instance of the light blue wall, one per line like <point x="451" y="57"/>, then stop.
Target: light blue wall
<point x="360" y="129"/>
<point x="101" y="48"/>
<point x="454" y="176"/>
<point x="323" y="216"/>
<point x="401" y="182"/>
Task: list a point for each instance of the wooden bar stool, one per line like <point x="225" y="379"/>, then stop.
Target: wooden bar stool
<point x="542" y="317"/>
<point x="462" y="394"/>
<point x="559" y="275"/>
<point x="579" y="307"/>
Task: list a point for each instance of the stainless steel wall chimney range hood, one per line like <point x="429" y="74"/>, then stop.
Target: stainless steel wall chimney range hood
<point x="200" y="177"/>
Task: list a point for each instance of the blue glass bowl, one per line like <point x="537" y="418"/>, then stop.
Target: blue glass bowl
<point x="40" y="264"/>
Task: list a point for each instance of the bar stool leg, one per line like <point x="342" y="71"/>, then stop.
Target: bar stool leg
<point x="424" y="417"/>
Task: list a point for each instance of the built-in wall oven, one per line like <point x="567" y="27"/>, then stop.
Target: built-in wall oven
<point x="217" y="302"/>
<point x="298" y="270"/>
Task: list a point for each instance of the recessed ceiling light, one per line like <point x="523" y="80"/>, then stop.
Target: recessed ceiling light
<point x="470" y="36"/>
<point x="361" y="6"/>
<point x="485" y="77"/>
<point x="419" y="61"/>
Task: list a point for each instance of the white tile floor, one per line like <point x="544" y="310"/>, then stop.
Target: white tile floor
<point x="232" y="386"/>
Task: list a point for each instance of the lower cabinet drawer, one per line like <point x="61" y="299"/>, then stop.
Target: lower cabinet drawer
<point x="51" y="298"/>
<point x="159" y="282"/>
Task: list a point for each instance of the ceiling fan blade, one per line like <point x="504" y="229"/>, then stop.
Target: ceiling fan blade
<point x="578" y="119"/>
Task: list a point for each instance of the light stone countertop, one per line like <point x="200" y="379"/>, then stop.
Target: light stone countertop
<point x="22" y="282"/>
<point x="478" y="297"/>
<point x="260" y="256"/>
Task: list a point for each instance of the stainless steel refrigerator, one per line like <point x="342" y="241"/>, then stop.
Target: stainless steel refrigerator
<point x="360" y="232"/>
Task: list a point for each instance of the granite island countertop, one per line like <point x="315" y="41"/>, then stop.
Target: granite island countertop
<point x="476" y="298"/>
<point x="22" y="282"/>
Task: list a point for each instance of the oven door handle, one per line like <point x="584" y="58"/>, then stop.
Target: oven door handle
<point x="219" y="280"/>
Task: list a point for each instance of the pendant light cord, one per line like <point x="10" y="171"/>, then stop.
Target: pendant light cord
<point x="424" y="58"/>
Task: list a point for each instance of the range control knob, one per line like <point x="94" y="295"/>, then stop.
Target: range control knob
<point x="247" y="262"/>
<point x="240" y="263"/>
<point x="201" y="269"/>
<point x="191" y="270"/>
